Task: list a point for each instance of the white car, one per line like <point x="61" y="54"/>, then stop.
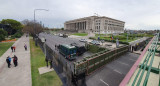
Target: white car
<point x="95" y="42"/>
<point x="83" y="40"/>
<point x="60" y="35"/>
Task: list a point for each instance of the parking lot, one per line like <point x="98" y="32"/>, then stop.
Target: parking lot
<point x="108" y="45"/>
<point x="112" y="73"/>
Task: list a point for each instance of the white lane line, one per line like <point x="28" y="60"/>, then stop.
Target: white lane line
<point x="117" y="71"/>
<point x="132" y="60"/>
<point x="122" y="63"/>
<point x="104" y="82"/>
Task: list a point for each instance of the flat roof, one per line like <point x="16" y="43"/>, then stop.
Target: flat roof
<point x="68" y="46"/>
<point x="94" y="17"/>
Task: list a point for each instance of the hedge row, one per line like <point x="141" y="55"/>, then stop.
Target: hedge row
<point x="110" y="40"/>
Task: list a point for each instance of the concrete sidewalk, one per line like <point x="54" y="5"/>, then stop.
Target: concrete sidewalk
<point x="20" y="75"/>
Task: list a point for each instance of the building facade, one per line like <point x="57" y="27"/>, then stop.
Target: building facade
<point x="95" y="24"/>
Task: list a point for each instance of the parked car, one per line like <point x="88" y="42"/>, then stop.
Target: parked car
<point x="60" y="35"/>
<point x="95" y="42"/>
<point x="83" y="40"/>
<point x="65" y="35"/>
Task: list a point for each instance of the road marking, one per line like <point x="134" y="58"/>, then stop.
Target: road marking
<point x="117" y="71"/>
<point x="132" y="60"/>
<point x="104" y="82"/>
<point x="122" y="63"/>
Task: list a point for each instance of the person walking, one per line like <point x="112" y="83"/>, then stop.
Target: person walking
<point x="15" y="60"/>
<point x="50" y="64"/>
<point x="25" y="47"/>
<point x="55" y="47"/>
<point x="8" y="62"/>
<point x="12" y="48"/>
<point x="46" y="61"/>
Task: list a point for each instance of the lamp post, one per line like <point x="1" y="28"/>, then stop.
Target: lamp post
<point x="35" y="17"/>
<point x="35" y="23"/>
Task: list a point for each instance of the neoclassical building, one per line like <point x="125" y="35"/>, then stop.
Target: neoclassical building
<point x="95" y="24"/>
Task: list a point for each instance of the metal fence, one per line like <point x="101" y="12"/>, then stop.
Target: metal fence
<point x="98" y="60"/>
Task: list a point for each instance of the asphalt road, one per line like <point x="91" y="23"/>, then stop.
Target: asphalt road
<point x="52" y="40"/>
<point x="112" y="73"/>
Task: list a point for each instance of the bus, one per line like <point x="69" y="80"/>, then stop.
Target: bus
<point x="68" y="51"/>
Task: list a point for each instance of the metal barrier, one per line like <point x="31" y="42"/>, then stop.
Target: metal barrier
<point x="98" y="60"/>
<point x="144" y="67"/>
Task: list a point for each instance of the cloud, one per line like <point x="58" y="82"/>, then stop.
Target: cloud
<point x="138" y="14"/>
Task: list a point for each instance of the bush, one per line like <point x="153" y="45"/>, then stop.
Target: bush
<point x="2" y="34"/>
<point x="92" y="38"/>
<point x="95" y="48"/>
<point x="17" y="34"/>
<point x="13" y="37"/>
<point x="2" y="37"/>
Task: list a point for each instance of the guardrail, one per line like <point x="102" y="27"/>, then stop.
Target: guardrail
<point x="98" y="60"/>
<point x="149" y="57"/>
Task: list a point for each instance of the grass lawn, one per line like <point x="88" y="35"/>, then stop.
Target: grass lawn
<point x="38" y="60"/>
<point x="4" y="47"/>
<point x="80" y="34"/>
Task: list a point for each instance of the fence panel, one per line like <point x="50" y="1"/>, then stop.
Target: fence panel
<point x="98" y="60"/>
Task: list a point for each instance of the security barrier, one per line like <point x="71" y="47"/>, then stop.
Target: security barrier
<point x="98" y="60"/>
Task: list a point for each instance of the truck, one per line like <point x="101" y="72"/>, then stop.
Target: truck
<point x="71" y="51"/>
<point x="68" y="51"/>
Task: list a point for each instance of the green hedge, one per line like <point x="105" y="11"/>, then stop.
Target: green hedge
<point x="3" y="33"/>
<point x="17" y="35"/>
<point x="109" y="40"/>
<point x="95" y="48"/>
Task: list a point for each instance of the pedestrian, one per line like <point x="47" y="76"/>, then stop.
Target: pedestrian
<point x="15" y="60"/>
<point x="46" y="61"/>
<point x="12" y="48"/>
<point x="25" y="47"/>
<point x="55" y="47"/>
<point x="132" y="48"/>
<point x="50" y="64"/>
<point x="117" y="43"/>
<point x="8" y="62"/>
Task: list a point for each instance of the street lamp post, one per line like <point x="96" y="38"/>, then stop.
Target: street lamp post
<point x="35" y="17"/>
<point x="35" y="23"/>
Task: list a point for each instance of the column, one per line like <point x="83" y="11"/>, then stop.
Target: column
<point x="85" y="25"/>
<point x="82" y="26"/>
<point x="78" y="25"/>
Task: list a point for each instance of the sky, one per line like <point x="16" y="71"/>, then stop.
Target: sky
<point x="137" y="14"/>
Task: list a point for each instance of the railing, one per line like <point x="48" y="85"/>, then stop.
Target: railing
<point x="98" y="60"/>
<point x="149" y="57"/>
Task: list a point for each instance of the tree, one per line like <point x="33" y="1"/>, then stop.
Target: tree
<point x="62" y="28"/>
<point x="15" y="25"/>
<point x="32" y="27"/>
<point x="2" y="34"/>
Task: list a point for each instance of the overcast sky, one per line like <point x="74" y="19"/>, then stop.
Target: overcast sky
<point x="138" y="14"/>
